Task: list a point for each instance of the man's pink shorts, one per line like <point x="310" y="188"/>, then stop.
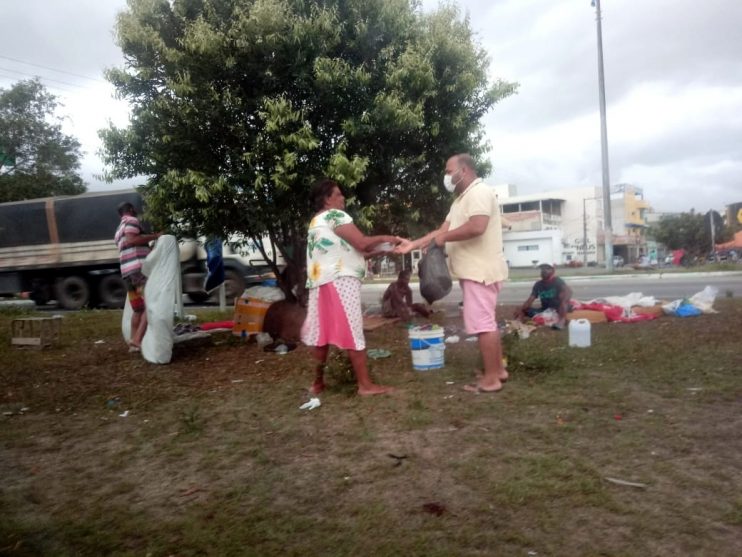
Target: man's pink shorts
<point x="479" y="306"/>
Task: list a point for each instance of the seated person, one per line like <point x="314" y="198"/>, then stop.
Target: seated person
<point x="553" y="293"/>
<point x="642" y="262"/>
<point x="397" y="300"/>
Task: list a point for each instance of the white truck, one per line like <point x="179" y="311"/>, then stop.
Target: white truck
<point x="61" y="248"/>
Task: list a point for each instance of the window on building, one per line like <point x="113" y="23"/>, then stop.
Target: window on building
<point x="533" y="247"/>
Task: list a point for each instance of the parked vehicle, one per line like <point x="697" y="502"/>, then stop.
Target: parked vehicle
<point x="62" y="248"/>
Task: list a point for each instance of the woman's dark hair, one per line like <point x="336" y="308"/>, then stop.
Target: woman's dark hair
<point x="321" y="190"/>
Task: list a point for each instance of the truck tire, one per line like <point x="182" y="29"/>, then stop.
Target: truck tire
<point x="198" y="297"/>
<point x="234" y="285"/>
<point x="112" y="291"/>
<point x="72" y="292"/>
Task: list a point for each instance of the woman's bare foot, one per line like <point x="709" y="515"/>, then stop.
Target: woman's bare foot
<point x="317" y="387"/>
<point x="374" y="390"/>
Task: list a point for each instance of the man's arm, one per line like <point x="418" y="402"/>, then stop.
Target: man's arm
<point x="408" y="296"/>
<point x="564" y="297"/>
<point x="387" y="293"/>
<point x="521" y="311"/>
<point x="406" y="246"/>
<point x="141" y="239"/>
<point x="475" y="226"/>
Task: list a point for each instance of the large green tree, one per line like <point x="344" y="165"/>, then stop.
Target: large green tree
<point x="238" y="106"/>
<point x="691" y="231"/>
<point x="36" y="158"/>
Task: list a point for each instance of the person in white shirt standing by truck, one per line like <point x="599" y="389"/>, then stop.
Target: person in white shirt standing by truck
<point x="133" y="247"/>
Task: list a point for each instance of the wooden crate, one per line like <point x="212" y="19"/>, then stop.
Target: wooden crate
<point x="37" y="332"/>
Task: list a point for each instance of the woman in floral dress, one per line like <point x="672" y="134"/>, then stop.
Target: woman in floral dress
<point x="336" y="266"/>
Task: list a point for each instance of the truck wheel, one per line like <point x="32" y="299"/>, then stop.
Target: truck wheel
<point x="112" y="291"/>
<point x="72" y="292"/>
<point x="234" y="285"/>
<point x="198" y="297"/>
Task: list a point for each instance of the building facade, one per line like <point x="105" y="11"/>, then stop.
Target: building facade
<point x="565" y="226"/>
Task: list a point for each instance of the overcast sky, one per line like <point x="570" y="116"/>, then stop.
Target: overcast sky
<point x="673" y="86"/>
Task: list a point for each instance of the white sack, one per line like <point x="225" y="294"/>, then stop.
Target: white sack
<point x="704" y="300"/>
<point x="161" y="268"/>
<point x="265" y="293"/>
<point x="126" y="320"/>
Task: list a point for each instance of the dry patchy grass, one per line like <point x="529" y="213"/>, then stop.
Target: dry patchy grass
<point x="215" y="458"/>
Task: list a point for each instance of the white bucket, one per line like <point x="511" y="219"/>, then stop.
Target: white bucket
<point x="579" y="333"/>
<point x="427" y="347"/>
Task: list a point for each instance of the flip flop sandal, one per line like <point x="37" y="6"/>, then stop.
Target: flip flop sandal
<point x="476" y="389"/>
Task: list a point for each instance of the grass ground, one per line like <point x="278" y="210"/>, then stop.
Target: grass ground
<point x="215" y="458"/>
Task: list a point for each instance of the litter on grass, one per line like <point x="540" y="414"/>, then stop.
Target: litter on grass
<point x="624" y="482"/>
<point x="311" y="404"/>
<point x="376" y="353"/>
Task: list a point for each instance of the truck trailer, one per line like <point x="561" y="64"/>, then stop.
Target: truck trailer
<point x="61" y="248"/>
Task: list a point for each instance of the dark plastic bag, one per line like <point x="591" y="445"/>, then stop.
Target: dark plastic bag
<point x="435" y="280"/>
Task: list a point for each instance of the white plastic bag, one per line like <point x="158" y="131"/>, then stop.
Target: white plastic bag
<point x="672" y="307"/>
<point x="547" y="317"/>
<point x="265" y="293"/>
<point x="704" y="300"/>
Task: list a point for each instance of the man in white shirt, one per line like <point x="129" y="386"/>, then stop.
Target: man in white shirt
<point x="472" y="234"/>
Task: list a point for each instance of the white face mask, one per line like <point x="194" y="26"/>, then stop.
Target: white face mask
<point x="448" y="182"/>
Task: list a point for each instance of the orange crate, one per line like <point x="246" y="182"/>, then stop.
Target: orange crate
<point x="249" y="314"/>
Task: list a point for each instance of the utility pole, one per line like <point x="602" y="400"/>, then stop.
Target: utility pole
<point x="584" y="232"/>
<point x="607" y="232"/>
<point x="713" y="233"/>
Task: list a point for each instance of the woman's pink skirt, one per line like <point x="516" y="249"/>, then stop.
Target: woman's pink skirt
<point x="334" y="315"/>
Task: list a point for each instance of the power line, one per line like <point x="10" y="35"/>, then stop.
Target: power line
<point x="51" y="69"/>
<point x="65" y="91"/>
<point x="43" y="78"/>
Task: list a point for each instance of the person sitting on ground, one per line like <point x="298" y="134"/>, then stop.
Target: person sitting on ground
<point x="642" y="262"/>
<point x="397" y="300"/>
<point x="553" y="293"/>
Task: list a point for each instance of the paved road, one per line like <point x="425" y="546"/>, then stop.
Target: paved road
<point x="667" y="287"/>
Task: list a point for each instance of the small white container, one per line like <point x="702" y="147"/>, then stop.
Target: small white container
<point x="579" y="333"/>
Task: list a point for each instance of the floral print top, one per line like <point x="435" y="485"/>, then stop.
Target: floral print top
<point x="328" y="255"/>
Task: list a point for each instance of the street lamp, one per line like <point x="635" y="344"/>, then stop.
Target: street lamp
<point x="608" y="234"/>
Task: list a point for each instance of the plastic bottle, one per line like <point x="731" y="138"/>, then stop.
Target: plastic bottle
<point x="579" y="333"/>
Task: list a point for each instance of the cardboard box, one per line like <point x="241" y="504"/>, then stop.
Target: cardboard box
<point x="652" y="310"/>
<point x="249" y="314"/>
<point x="591" y="315"/>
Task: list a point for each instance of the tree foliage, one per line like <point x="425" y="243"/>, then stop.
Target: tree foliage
<point x="238" y="106"/>
<point x="36" y="158"/>
<point x="691" y="231"/>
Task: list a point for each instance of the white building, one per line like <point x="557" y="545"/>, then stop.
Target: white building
<point x="566" y="226"/>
